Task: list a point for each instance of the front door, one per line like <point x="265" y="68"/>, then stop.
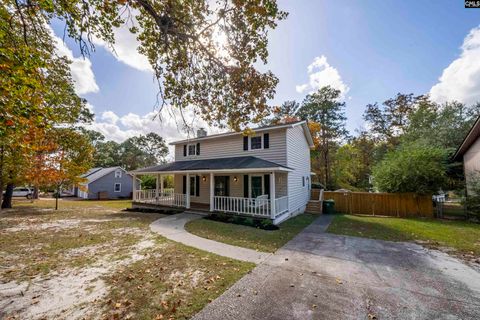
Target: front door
<point x="257" y="187"/>
<point x="222" y="186"/>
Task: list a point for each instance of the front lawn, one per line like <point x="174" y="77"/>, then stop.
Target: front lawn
<point x="64" y="203"/>
<point x="94" y="261"/>
<point x="250" y="237"/>
<point x="459" y="235"/>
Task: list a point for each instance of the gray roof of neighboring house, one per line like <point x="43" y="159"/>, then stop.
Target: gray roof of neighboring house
<point x="96" y="173"/>
<point x="89" y="172"/>
<point x="248" y="162"/>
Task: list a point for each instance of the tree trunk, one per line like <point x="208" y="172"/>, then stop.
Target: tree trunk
<point x="2" y="151"/>
<point x="57" y="194"/>
<point x="35" y="193"/>
<point x="7" y="200"/>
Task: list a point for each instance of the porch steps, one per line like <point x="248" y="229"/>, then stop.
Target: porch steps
<point x="314" y="206"/>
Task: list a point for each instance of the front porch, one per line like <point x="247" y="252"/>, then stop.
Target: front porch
<point x="253" y="193"/>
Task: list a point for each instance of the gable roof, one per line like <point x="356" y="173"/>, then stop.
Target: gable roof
<point x="302" y="123"/>
<point x="470" y="138"/>
<point x="96" y="173"/>
<point x="248" y="162"/>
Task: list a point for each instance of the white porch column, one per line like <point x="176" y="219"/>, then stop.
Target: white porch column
<point x="157" y="182"/>
<point x="212" y="191"/>
<point x="134" y="187"/>
<point x="272" y="195"/>
<point x="161" y="185"/>
<point x="187" y="196"/>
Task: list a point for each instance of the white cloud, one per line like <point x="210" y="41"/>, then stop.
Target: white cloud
<point x="321" y="74"/>
<point x="169" y="126"/>
<point x="125" y="48"/>
<point x="460" y="81"/>
<point x="81" y="68"/>
<point x="109" y="117"/>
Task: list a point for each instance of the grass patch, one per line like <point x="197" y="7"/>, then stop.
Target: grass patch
<point x="174" y="281"/>
<point x="460" y="235"/>
<point x="249" y="237"/>
<point x="66" y="203"/>
<point x="35" y="242"/>
<point x="149" y="277"/>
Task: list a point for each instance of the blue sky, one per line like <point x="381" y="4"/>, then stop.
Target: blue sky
<point x="369" y="49"/>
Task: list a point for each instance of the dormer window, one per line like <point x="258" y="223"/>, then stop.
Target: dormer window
<point x="118" y="173"/>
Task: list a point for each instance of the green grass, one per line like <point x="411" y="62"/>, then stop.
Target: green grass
<point x="67" y="203"/>
<point x="459" y="235"/>
<point x="249" y="237"/>
<point x="169" y="281"/>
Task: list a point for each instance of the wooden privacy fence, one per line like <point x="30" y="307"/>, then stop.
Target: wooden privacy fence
<point x="382" y="204"/>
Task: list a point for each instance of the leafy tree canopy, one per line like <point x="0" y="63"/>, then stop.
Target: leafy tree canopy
<point x="203" y="53"/>
<point x="413" y="167"/>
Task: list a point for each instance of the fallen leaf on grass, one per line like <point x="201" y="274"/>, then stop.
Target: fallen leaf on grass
<point x="338" y="281"/>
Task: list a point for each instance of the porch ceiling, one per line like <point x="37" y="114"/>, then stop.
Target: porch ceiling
<point x="234" y="164"/>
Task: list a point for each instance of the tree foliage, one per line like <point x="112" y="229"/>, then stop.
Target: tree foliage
<point x="203" y="53"/>
<point x="37" y="96"/>
<point x="326" y="110"/>
<point x="412" y="167"/>
<point x="135" y="152"/>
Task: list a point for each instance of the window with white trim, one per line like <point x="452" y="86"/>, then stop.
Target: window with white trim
<point x="192" y="149"/>
<point x="118" y="173"/>
<point x="117" y="187"/>
<point x="256" y="143"/>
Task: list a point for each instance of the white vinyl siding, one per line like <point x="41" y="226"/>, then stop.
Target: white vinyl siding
<point x="232" y="146"/>
<point x="471" y="160"/>
<point x="298" y="159"/>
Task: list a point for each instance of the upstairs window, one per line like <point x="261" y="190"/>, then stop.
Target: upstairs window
<point x="118" y="173"/>
<point x="256" y="143"/>
<point x="192" y="150"/>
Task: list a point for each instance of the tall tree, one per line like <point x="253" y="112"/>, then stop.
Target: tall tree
<point x="203" y="53"/>
<point x="388" y="121"/>
<point x="36" y="92"/>
<point x="325" y="108"/>
<point x="287" y="112"/>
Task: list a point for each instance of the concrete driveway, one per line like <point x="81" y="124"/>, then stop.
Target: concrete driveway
<point x="324" y="276"/>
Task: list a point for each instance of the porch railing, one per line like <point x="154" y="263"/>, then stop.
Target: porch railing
<point x="281" y="205"/>
<point x="166" y="198"/>
<point x="258" y="207"/>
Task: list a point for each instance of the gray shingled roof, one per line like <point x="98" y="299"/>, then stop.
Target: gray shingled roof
<point x="213" y="164"/>
<point x="97" y="173"/>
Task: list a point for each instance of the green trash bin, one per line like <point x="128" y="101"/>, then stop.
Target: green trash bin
<point x="329" y="206"/>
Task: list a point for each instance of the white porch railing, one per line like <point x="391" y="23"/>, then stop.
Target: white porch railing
<point x="258" y="207"/>
<point x="281" y="205"/>
<point x="167" y="198"/>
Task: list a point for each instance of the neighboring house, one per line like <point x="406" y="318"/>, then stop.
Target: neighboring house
<point x="265" y="175"/>
<point x="105" y="183"/>
<point x="469" y="153"/>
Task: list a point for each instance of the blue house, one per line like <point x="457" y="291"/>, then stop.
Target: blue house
<point x="106" y="183"/>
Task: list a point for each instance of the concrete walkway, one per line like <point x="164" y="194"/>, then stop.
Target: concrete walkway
<point x="173" y="228"/>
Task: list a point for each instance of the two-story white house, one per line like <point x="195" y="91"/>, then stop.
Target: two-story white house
<point x="264" y="175"/>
